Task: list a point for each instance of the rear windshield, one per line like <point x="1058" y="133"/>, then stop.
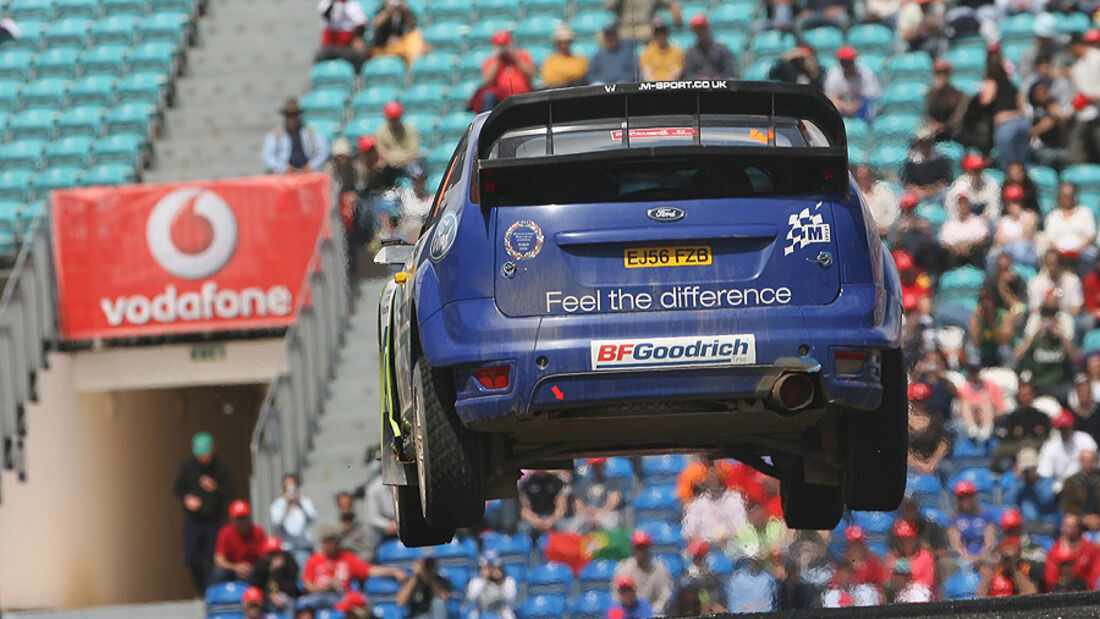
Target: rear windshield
<point x="658" y="131"/>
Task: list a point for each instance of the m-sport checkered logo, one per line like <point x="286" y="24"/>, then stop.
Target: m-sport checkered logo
<point x="705" y="350"/>
<point x="191" y="233"/>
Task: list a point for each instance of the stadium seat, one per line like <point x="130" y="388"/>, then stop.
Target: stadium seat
<point x="971" y="453"/>
<point x="362" y="125"/>
<point x="982" y="479"/>
<point x="93" y="89"/>
<point x="61" y="62"/>
<point x="1092" y="341"/>
<point x="424" y="122"/>
<point x="393" y="552"/>
<point x="904" y="99"/>
<point x="388" y="610"/>
<point x="141" y="88"/>
<point x="590" y="605"/>
<point x="439" y="156"/>
<point x="327" y="103"/>
<point x="32" y="124"/>
<point x="15" y="185"/>
<point x="895" y="128"/>
<point x="535" y="30"/>
<point x="517" y="573"/>
<point x="154" y="56"/>
<point x="47" y="93"/>
<point x="450" y="10"/>
<point x="181" y="6"/>
<point x="663" y="469"/>
<point x="858" y="132"/>
<point x="1018" y="28"/>
<point x="965" y="281"/>
<point x="69" y="31"/>
<point x="511" y="548"/>
<point x="459" y="577"/>
<point x="130" y="118"/>
<point x="462" y="552"/>
<point x="657" y="502"/>
<point x="437" y="67"/>
<point x="16" y="64"/>
<point x="118" y="148"/>
<point x="164" y="26"/>
<point x="1043" y="541"/>
<point x="444" y="38"/>
<point x="224" y="597"/>
<point x="370" y="101"/>
<point x="961" y="585"/>
<point x="542" y="607"/>
<point x="498" y="9"/>
<point x="871" y="39"/>
<point x="596" y="575"/>
<point x="674" y="562"/>
<point x="29" y="10"/>
<point x="70" y="151"/>
<point x="926" y="489"/>
<point x="119" y="29"/>
<point x="108" y="174"/>
<point x="22" y="155"/>
<point x="55" y="178"/>
<point x="482" y="31"/>
<point x="888" y="159"/>
<point x="732" y="17"/>
<point x="88" y="9"/>
<point x="1074" y="22"/>
<point x="1085" y="175"/>
<point x="422" y="98"/>
<point x="9" y="96"/>
<point x="381" y="590"/>
<point x="332" y="73"/>
<point x="9" y="218"/>
<point x="770" y="45"/>
<point x="104" y="59"/>
<point x="666" y="536"/>
<point x="551" y="578"/>
<point x="549" y="8"/>
<point x="384" y="71"/>
<point x="915" y="66"/>
<point x="824" y="40"/>
<point x="330" y="613"/>
<point x="967" y="62"/>
<point x="124" y="7"/>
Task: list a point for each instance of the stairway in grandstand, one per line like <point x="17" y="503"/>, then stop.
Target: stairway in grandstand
<point x="253" y="54"/>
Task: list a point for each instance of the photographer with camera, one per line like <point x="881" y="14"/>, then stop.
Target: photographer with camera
<point x="424" y="596"/>
<point x="1007" y="574"/>
<point x="292" y="517"/>
<point x="1047" y="349"/>
<point x="509" y="71"/>
<point x="492" y="590"/>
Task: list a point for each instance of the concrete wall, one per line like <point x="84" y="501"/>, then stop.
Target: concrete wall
<point x="96" y="522"/>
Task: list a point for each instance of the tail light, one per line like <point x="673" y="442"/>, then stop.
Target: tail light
<point x="494" y="377"/>
<point x="849" y="361"/>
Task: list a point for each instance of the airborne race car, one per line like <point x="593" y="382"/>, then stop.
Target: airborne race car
<point x="638" y="269"/>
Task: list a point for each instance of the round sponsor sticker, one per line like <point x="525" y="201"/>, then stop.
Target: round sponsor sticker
<point x="444" y="237"/>
<point x="523" y="240"/>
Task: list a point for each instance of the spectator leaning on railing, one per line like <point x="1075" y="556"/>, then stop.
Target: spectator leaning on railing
<point x="294" y="147"/>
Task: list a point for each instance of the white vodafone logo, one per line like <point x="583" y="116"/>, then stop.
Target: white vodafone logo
<point x="203" y="253"/>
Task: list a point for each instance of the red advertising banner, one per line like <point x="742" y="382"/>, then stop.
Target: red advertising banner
<point x="148" y="260"/>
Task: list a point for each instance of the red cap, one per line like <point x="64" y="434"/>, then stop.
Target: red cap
<point x="699" y="21"/>
<point x="1010" y="541"/>
<point x="393" y="109"/>
<point x="1001" y="586"/>
<point x="942" y="65"/>
<point x="352" y="599"/>
<point x="904" y="530"/>
<point x="1060" y="553"/>
<point x="846" y="52"/>
<point x="272" y="544"/>
<point x="1092" y="35"/>
<point x="366" y="143"/>
<point x="909" y="300"/>
<point x="624" y="581"/>
<point x="854" y="533"/>
<point x="501" y="37"/>
<point x="239" y="509"/>
<point x="252" y="595"/>
<point x="640" y="538"/>
<point x="597" y="460"/>
<point x="903" y="259"/>
<point x="1011" y="519"/>
<point x="1063" y="419"/>
<point x="1013" y="192"/>
<point x="973" y="162"/>
<point x="908" y="201"/>
<point x="993" y="48"/>
<point x="965" y="488"/>
<point x="919" y="392"/>
<point x="923" y="1"/>
<point x="698" y="547"/>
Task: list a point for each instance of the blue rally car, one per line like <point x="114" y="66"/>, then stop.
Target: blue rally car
<point x="637" y="269"/>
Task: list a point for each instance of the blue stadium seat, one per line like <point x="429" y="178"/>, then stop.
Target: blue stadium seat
<point x="47" y="93"/>
<point x="824" y="40"/>
<point x="962" y="585"/>
<point x="663" y="469"/>
<point x="719" y="563"/>
<point x="1074" y="22"/>
<point x="551" y="578"/>
<point x="1018" y="28"/>
<point x="732" y="17"/>
<point x="93" y="89"/>
<point x="88" y="9"/>
<point x="665" y="535"/>
<point x="9" y="218"/>
<point x="597" y="575"/>
<point x="104" y="59"/>
<point x="226" y="615"/>
<point x="873" y="523"/>
<point x="657" y="502"/>
<point x="70" y="151"/>
<point x="926" y="489"/>
<point x="69" y="31"/>
<point x="124" y="7"/>
<point x="22" y="155"/>
<point x="460" y="11"/>
<point x="393" y="552"/>
<point x="1043" y="541"/>
<point x="888" y="159"/>
<point x="55" y="178"/>
<point x="542" y="607"/>
<point x="517" y="573"/>
<point x="332" y="73"/>
<point x="903" y="99"/>
<point x="498" y="9"/>
<point x="424" y="122"/>
<point x="58" y="61"/>
<point x="224" y="597"/>
<point x="123" y="148"/>
<point x="16" y="64"/>
<point x="388" y="611"/>
<point x="590" y="605"/>
<point x="326" y="613"/>
<point x="362" y="125"/>
<point x="370" y="101"/>
<point x="118" y="29"/>
<point x="548" y="8"/>
<point x="965" y="280"/>
<point x="327" y="103"/>
<point x="423" y="97"/>
<point x="674" y="562"/>
<point x="535" y="30"/>
<point x="384" y="71"/>
<point x="380" y="590"/>
<point x="459" y="95"/>
<point x="971" y="453"/>
<point x="511" y="548"/>
<point x="9" y="97"/>
<point x="483" y="30"/>
<point x="770" y="45"/>
<point x="461" y="552"/>
<point x="1092" y="341"/>
<point x="459" y="577"/>
<point x="910" y="66"/>
<point x="181" y="6"/>
<point x="936" y="515"/>
<point x="896" y="128"/>
<point x="1085" y="175"/>
<point x="108" y="174"/>
<point x="30" y="37"/>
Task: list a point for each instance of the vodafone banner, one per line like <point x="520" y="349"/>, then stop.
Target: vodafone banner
<point x="146" y="260"/>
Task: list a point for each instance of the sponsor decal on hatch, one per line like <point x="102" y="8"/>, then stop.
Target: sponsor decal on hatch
<point x="523" y="240"/>
<point x="705" y="350"/>
<point x="806" y="229"/>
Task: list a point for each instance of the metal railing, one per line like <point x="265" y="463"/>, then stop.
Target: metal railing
<point x="284" y="430"/>
<point x="28" y="327"/>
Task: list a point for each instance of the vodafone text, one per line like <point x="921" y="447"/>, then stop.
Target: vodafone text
<point x="680" y="297"/>
<point x="207" y="303"/>
<point x="674" y="351"/>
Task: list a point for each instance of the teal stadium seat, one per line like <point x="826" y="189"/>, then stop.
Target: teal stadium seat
<point x="54" y="178"/>
<point x="124" y="149"/>
<point x="58" y="62"/>
<point x="859" y="132"/>
<point x="93" y="89"/>
<point x="888" y="159"/>
<point x="15" y="185"/>
<point x="460" y="11"/>
<point x="328" y="128"/>
<point x="141" y="88"/>
<point x="539" y="53"/>
<point x="36" y="124"/>
<point x="445" y="37"/>
<point x="383" y="71"/>
<point x="483" y="30"/>
<point x="535" y="30"/>
<point x="104" y="59"/>
<point x="737" y="41"/>
<point x="47" y="93"/>
<point x="371" y="100"/>
<point x="1074" y="23"/>
<point x="108" y="174"/>
<point x="122" y="7"/>
<point x="30" y="37"/>
<point x="327" y="103"/>
<point x="31" y="10"/>
<point x="423" y="98"/>
<point x="871" y="39"/>
<point x="9" y="94"/>
<point x="1046" y="179"/>
<point x="1018" y="29"/>
<point x="424" y="124"/>
<point x="548" y="8"/>
<point x="361" y="126"/>
<point x="70" y="151"/>
<point x="332" y="73"/>
<point x="34" y="210"/>
<point x="9" y="219"/>
<point x="824" y="40"/>
<point x="164" y="26"/>
<point x="130" y="118"/>
<point x="579" y="5"/>
<point x="896" y="128"/>
<point x="759" y="70"/>
<point x="78" y="8"/>
<point x="437" y="67"/>
<point x="912" y="66"/>
<point x="1085" y="175"/>
<point x="459" y="95"/>
<point x="69" y="31"/>
<point x="16" y="64"/>
<point x="953" y="152"/>
<point x="121" y="29"/>
<point x="452" y="127"/>
<point x="903" y="98"/>
<point x="588" y="24"/>
<point x="857" y="155"/>
<point x="154" y="56"/>
<point x="24" y="155"/>
<point x="498" y="9"/>
<point x="469" y="65"/>
<point x="586" y="47"/>
<point x="967" y="62"/>
<point x="178" y="6"/>
<point x="439" y="156"/>
<point x="770" y="45"/>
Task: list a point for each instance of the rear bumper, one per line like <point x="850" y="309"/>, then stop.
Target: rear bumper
<point x="551" y="367"/>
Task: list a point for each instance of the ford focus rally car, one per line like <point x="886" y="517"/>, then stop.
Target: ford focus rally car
<point x="638" y="269"/>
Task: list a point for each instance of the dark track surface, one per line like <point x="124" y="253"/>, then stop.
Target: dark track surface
<point x="1049" y="606"/>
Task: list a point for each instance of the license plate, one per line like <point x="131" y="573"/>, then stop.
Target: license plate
<point x="679" y="256"/>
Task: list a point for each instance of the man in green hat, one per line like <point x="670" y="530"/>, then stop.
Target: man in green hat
<point x="204" y="488"/>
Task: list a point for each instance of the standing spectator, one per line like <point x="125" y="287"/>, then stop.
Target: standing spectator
<point x="708" y="59"/>
<point x="342" y="26"/>
<point x="253" y="602"/>
<point x="394" y="32"/>
<point x="1000" y="98"/>
<point x="381" y="519"/>
<point x="920" y="560"/>
<point x="292" y="517"/>
<point x="661" y="60"/>
<point x="928" y="438"/>
<point x="711" y="590"/>
<point x="1047" y="352"/>
<point x="1060" y="456"/>
<point x="798" y="65"/>
<point x="852" y="87"/>
<point x="507" y="72"/>
<point x="926" y="172"/>
<point x="1071" y="548"/>
<point x="965" y="236"/>
<point x="353" y="536"/>
<point x="636" y="16"/>
<point x="329" y="573"/>
<point x="276" y="574"/>
<point x="240" y="544"/>
<point x="424" y="595"/>
<point x="1033" y="495"/>
<point x="596" y="499"/>
<point x="493" y="591"/>
<point x="980" y="403"/>
<point x="204" y="488"/>
<point x="867" y="569"/>
<point x="972" y="533"/>
<point x="751" y="587"/>
<point x="903" y="589"/>
<point x="341" y="167"/>
<point x="543" y="502"/>
<point x="1009" y="575"/>
<point x="982" y="189"/>
<point x="630" y="605"/>
<point x="652" y="580"/>
<point x="1024" y="427"/>
<point x="1081" y="493"/>
<point x="1084" y="137"/>
<point x="398" y="145"/>
<point x="1071" y="230"/>
<point x="614" y="62"/>
<point x="563" y="68"/>
<point x="716" y="514"/>
<point x="294" y="147"/>
<point x="944" y="103"/>
<point x="921" y="26"/>
<point x="880" y="199"/>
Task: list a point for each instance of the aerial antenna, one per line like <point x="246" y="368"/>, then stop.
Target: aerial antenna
<point x="771" y="123"/>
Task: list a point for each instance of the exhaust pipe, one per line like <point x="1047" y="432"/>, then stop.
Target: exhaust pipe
<point x="793" y="392"/>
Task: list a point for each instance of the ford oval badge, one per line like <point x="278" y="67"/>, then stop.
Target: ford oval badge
<point x="665" y="213"/>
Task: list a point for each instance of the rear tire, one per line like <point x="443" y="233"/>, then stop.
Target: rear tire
<point x="809" y="506"/>
<point x="448" y="456"/>
<point x="411" y="527"/>
<point x="878" y="444"/>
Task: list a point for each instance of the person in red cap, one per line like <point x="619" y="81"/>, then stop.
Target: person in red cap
<point x="1068" y="580"/>
<point x="1084" y="133"/>
<point x="1071" y="228"/>
<point x="329" y="573"/>
<point x="597" y="499"/>
<point x="867" y="568"/>
<point x="507" y="72"/>
<point x="708" y="59"/>
<point x="276" y="572"/>
<point x="651" y="578"/>
<point x="916" y="285"/>
<point x="880" y="199"/>
<point x="983" y="190"/>
<point x="907" y="546"/>
<point x="712" y="590"/>
<point x="354" y="605"/>
<point x="1060" y="456"/>
<point x="1015" y="230"/>
<point x="944" y="103"/>
<point x="972" y="534"/>
<point x="344" y="24"/>
<point x="851" y="86"/>
<point x="928" y="438"/>
<point x="1081" y="555"/>
<point x="630" y="604"/>
<point x="252" y="603"/>
<point x="240" y="543"/>
<point x="398" y="145"/>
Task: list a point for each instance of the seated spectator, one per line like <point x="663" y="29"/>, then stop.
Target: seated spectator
<point x="929" y="534"/>
<point x="930" y="371"/>
<point x="928" y="440"/>
<point x="1016" y="174"/>
<point x="710" y="590"/>
<point x="999" y="98"/>
<point x="1033" y="495"/>
<point x="394" y="32"/>
<point x="993" y="331"/>
<point x="696" y="473"/>
<point x="507" y="72"/>
<point x="1071" y="228"/>
<point x="1008" y="574"/>
<point x="1032" y="554"/>
<point x="343" y="25"/>
<point x="253" y="602"/>
<point x="867" y="568"/>
<point x="1068" y="580"/>
<point x="972" y="533"/>
<point x="921" y="27"/>
<point x="980" y="403"/>
<point x="543" y="502"/>
<point x="1008" y="288"/>
<point x="635" y="17"/>
<point x="852" y="87"/>
<point x="1084" y="133"/>
<point x="398" y="145"/>
<point x="650" y="578"/>
<point x="1081" y="493"/>
<point x="1047" y="352"/>
<point x="708" y="59"/>
<point x="563" y="68"/>
<point x="751" y="587"/>
<point x="1015" y="231"/>
<point x="817" y="13"/>
<point x="493" y="591"/>
<point x="1060" y="456"/>
<point x="1054" y="276"/>
<point x="596" y="500"/>
<point x="1082" y="555"/>
<point x="1046" y="43"/>
<point x="1081" y="403"/>
<point x="329" y="573"/>
<point x="926" y="172"/>
<point x="294" y="147"/>
<point x="982" y="189"/>
<point x="304" y="608"/>
<point x="903" y="589"/>
<point x="240" y="543"/>
<point x="842" y="590"/>
<point x="798" y="65"/>
<point x="1090" y="290"/>
<point x="292" y="517"/>
<point x="614" y="62"/>
<point x="880" y="199"/>
<point x="660" y="59"/>
<point x="1051" y="314"/>
<point x="354" y="606"/>
<point x="686" y="601"/>
<point x="353" y="537"/>
<point x="630" y="605"/>
<point x="919" y="559"/>
<point x="1024" y="427"/>
<point x="276" y="573"/>
<point x="965" y="236"/>
<point x="1049" y="120"/>
<point x="424" y="595"/>
<point x="717" y="512"/>
<point x="794" y="593"/>
<point x="381" y="520"/>
<point x="943" y="103"/>
<point x="762" y="531"/>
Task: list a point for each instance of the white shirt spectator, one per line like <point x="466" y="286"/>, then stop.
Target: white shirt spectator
<point x="346" y="15"/>
<point x="1070" y="229"/>
<point x="1035" y="320"/>
<point x="987" y="197"/>
<point x="1073" y="297"/>
<point x="654" y="585"/>
<point x="293" y="523"/>
<point x="855" y="595"/>
<point x="852" y="89"/>
<point x="714" y="519"/>
<point x="883" y="204"/>
<point x="1085" y="75"/>
<point x="972" y="229"/>
<point x="1061" y="460"/>
<point x="913" y="593"/>
<point x="494" y="597"/>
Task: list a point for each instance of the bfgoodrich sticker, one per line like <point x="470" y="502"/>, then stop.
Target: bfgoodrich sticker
<point x="704" y="350"/>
